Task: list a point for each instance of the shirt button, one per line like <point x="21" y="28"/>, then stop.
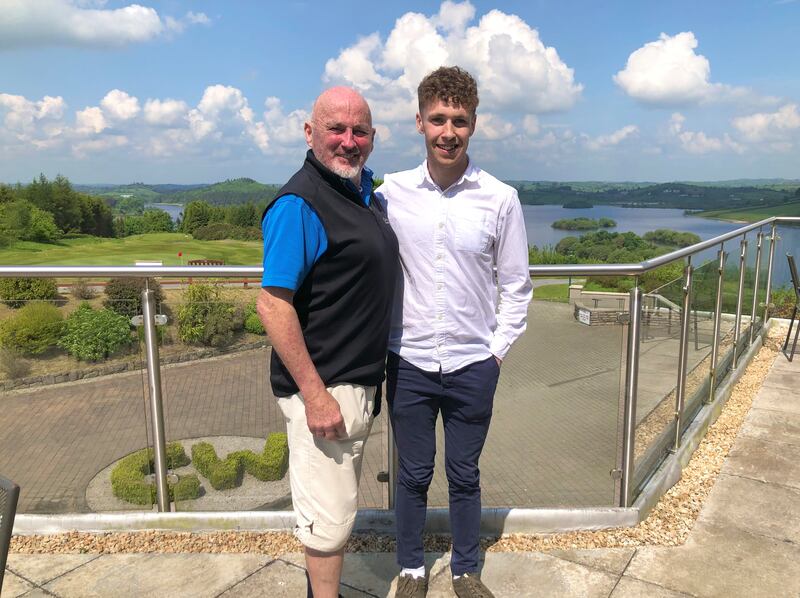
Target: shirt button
<point x="441" y="225"/>
<point x="439" y="256"/>
<point x="439" y="317"/>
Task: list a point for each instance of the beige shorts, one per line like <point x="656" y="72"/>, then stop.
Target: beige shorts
<point x="324" y="474"/>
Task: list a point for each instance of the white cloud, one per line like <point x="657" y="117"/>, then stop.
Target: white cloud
<point x="770" y="126"/>
<point x="615" y="138"/>
<point x="23" y="114"/>
<point x="118" y="105"/>
<point x="668" y="72"/>
<point x="530" y="124"/>
<point x="492" y="127"/>
<point x="285" y="129"/>
<point x="82" y="148"/>
<point x="697" y="142"/>
<point x="190" y="18"/>
<point x="515" y="71"/>
<point x="165" y="112"/>
<point x="83" y="23"/>
<point x="90" y="121"/>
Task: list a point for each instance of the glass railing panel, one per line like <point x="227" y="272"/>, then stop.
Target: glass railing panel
<point x="701" y="338"/>
<point x="658" y="369"/>
<point x="553" y="440"/>
<point x="73" y="406"/>
<point x="727" y="322"/>
<point x="761" y="288"/>
<point x="782" y="297"/>
<point x="219" y="406"/>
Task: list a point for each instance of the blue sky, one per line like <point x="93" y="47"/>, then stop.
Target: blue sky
<point x="199" y="91"/>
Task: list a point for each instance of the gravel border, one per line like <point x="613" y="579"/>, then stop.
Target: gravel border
<point x="668" y="524"/>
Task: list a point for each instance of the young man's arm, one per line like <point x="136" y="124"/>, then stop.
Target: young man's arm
<point x="511" y="258"/>
<point x="280" y="320"/>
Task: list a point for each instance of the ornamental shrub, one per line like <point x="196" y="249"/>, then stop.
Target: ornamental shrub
<point x="33" y="330"/>
<point x="124" y="295"/>
<point x="81" y="289"/>
<point x="127" y="478"/>
<point x="273" y="462"/>
<point x="12" y="365"/>
<point x="252" y="323"/>
<point x="223" y="475"/>
<point x="270" y="465"/>
<point x="206" y="318"/>
<point x="16" y="292"/>
<point x="91" y="335"/>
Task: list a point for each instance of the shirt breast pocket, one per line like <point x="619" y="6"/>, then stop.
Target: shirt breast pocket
<point x="473" y="234"/>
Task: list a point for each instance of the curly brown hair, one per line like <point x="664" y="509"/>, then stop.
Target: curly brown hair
<point x="450" y="84"/>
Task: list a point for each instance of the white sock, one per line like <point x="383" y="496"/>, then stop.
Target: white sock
<point x="456" y="576"/>
<point x="415" y="573"/>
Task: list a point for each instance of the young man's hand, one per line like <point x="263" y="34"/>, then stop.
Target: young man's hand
<point x="498" y="360"/>
<point x="324" y="416"/>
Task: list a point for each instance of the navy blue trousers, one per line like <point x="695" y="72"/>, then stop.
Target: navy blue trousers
<point x="464" y="398"/>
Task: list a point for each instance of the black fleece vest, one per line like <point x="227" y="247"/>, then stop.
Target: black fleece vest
<point x="344" y="304"/>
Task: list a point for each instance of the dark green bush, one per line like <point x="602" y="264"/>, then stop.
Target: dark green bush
<point x="222" y="474"/>
<point x="783" y="298"/>
<point x="127" y="478"/>
<point x="252" y="323"/>
<point x="124" y="295"/>
<point x="217" y="231"/>
<point x="206" y="318"/>
<point x="33" y="329"/>
<point x="16" y="292"/>
<point x="273" y="462"/>
<point x="91" y="335"/>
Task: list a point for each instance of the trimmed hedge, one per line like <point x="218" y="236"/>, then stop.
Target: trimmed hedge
<point x="16" y="292"/>
<point x="127" y="478"/>
<point x="124" y="295"/>
<point x="270" y="465"/>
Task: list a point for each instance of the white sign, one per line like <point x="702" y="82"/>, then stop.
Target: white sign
<point x="585" y="317"/>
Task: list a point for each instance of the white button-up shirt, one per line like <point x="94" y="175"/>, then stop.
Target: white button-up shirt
<point x="450" y="310"/>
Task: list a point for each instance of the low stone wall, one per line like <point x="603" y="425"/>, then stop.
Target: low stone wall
<point x="99" y="370"/>
<point x="599" y="316"/>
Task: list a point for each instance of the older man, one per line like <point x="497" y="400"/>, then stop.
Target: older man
<point x="330" y="266"/>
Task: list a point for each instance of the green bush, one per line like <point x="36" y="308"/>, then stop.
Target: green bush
<point x="223" y="475"/>
<point x="206" y="318"/>
<point x="252" y="323"/>
<point x="124" y="295"/>
<point x="270" y="465"/>
<point x="217" y="231"/>
<point x="127" y="478"/>
<point x="91" y="335"/>
<point x="16" y="292"/>
<point x="33" y="329"/>
<point x="783" y="298"/>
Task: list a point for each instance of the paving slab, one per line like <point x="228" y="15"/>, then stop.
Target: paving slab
<point x="14" y="586"/>
<point x="41" y="568"/>
<point x="724" y="562"/>
<point x="157" y="575"/>
<point x="777" y="426"/>
<point x="763" y="460"/>
<point x="633" y="588"/>
<point x="376" y="573"/>
<point x="776" y="398"/>
<point x="753" y="506"/>
<point x="786" y="379"/>
<point x="511" y="575"/>
<point x="612" y="560"/>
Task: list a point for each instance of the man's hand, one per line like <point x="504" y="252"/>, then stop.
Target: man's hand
<point x="498" y="360"/>
<point x="324" y="416"/>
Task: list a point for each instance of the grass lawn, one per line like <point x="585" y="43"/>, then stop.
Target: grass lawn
<point x="755" y="214"/>
<point x="552" y="292"/>
<point x="96" y="251"/>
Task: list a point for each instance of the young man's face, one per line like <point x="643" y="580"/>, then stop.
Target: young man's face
<point x="447" y="129"/>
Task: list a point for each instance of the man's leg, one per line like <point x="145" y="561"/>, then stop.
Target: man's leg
<point x="466" y="412"/>
<point x="413" y="400"/>
<point x="324" y="478"/>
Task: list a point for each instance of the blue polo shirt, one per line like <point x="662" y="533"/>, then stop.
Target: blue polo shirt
<point x="294" y="238"/>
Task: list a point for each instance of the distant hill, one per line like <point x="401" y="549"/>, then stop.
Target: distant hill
<point x="231" y="191"/>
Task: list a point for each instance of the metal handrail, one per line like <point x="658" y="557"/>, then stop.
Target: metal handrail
<point x="632" y="269"/>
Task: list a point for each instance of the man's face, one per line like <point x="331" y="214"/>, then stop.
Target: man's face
<point x="340" y="133"/>
<point x="447" y="129"/>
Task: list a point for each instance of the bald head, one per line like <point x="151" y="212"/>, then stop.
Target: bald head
<point x="340" y="132"/>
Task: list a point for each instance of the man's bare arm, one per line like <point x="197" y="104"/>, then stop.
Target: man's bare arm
<point x="277" y="314"/>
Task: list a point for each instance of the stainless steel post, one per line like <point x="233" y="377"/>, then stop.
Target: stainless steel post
<point x="156" y="408"/>
<point x="717" y="320"/>
<point x="683" y="349"/>
<point x="737" y="325"/>
<point x="629" y="414"/>
<point x="759" y="238"/>
<point x="768" y="295"/>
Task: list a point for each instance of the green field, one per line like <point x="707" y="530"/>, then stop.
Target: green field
<point x="96" y="251"/>
<point x="754" y="214"/>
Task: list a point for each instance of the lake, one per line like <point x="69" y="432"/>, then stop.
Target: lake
<point x="175" y="210"/>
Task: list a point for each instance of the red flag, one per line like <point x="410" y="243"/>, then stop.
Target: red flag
<point x="180" y="254"/>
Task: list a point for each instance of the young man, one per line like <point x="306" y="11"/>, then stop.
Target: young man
<point x="450" y="331"/>
<point x="330" y="266"/>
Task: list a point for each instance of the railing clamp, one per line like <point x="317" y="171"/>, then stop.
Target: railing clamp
<point x="160" y="319"/>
